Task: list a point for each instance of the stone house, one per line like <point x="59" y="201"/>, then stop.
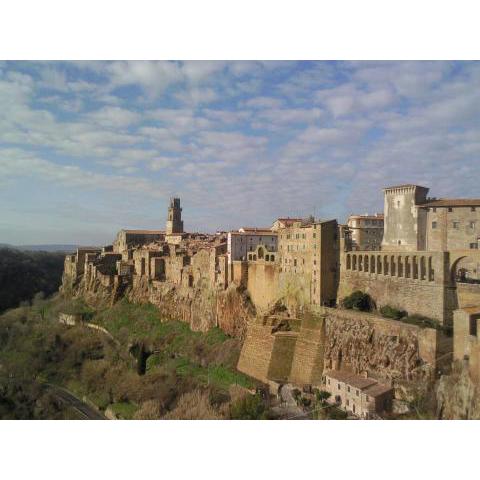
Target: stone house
<point x="356" y="394"/>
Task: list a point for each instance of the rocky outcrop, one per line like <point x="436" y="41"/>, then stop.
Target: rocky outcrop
<point x="361" y="346"/>
<point x="201" y="308"/>
<point x="456" y="395"/>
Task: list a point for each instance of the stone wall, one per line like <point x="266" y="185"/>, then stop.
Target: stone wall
<point x="299" y="352"/>
<point x="262" y="283"/>
<point x="415" y="281"/>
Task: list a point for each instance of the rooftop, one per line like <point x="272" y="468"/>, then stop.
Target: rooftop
<point x="406" y="185"/>
<point x="369" y="386"/>
<point x="453" y="202"/>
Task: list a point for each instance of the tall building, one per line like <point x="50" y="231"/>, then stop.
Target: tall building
<point x="404" y="225"/>
<point x="309" y="260"/>
<point x="366" y="231"/>
<point x="174" y="219"/>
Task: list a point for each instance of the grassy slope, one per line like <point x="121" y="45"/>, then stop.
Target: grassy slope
<point x="33" y="346"/>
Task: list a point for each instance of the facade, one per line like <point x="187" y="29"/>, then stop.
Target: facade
<point x="309" y="261"/>
<point x="452" y="224"/>
<point x="245" y="240"/>
<point x="127" y="239"/>
<point x="366" y="231"/>
<point x="358" y="395"/>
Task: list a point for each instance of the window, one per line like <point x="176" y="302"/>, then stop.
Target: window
<point x="329" y="381"/>
<point x="348" y="388"/>
<point x="348" y="403"/>
<point x="434" y="209"/>
<point x="474" y="245"/>
<point x="357" y="393"/>
<point x="449" y="209"/>
<point x="456" y="225"/>
<point x="472" y="224"/>
<point x="338" y="386"/>
<point x="472" y="209"/>
<point x="434" y="225"/>
<point x="294" y="262"/>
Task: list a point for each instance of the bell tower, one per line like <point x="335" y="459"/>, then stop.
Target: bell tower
<point x="174" y="218"/>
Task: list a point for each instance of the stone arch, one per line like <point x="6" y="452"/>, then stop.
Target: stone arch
<point x="272" y="258"/>
<point x="349" y="262"/>
<point x="399" y="266"/>
<point x="260" y="253"/>
<point x="267" y="258"/>
<point x="408" y="269"/>
<point x="415" y="267"/>
<point x="354" y="262"/>
<point x="423" y="268"/>
<point x="392" y="265"/>
<point x="465" y="270"/>
<point x="385" y="265"/>
<point x="372" y="264"/>
<point x="379" y="264"/>
<point x="366" y="263"/>
<point x="431" y="271"/>
<point x="360" y="263"/>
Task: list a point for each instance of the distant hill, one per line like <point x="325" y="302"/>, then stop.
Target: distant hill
<point x="47" y="248"/>
<point x="26" y="273"/>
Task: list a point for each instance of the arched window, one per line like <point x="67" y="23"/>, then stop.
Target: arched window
<point x="349" y="262"/>
<point x="354" y="262"/>
<point x="379" y="264"/>
<point x="260" y="253"/>
<point x="365" y="263"/>
<point x="392" y="266"/>
<point x="408" y="271"/>
<point x="385" y="265"/>
<point x="414" y="268"/>
<point x="399" y="266"/>
<point x="372" y="264"/>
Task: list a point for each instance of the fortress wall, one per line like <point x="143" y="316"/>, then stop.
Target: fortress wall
<point x="468" y="295"/>
<point x="282" y="356"/>
<point x="387" y="350"/>
<point x="307" y="364"/>
<point x="262" y="284"/>
<point x="413" y="281"/>
<point x="257" y="350"/>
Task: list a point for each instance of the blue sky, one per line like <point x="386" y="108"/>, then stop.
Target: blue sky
<point x="87" y="148"/>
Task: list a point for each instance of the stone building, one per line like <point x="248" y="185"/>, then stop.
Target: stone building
<point x="466" y="339"/>
<point x="428" y="264"/>
<point x="127" y="239"/>
<point x="245" y="240"/>
<point x="358" y="395"/>
<point x="309" y="262"/>
<point x="452" y="224"/>
<point x="366" y="231"/>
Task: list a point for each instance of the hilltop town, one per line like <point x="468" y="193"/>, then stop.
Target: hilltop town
<point x="367" y="312"/>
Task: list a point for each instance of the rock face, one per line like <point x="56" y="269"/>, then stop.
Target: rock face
<point x="201" y="308"/>
<point x="457" y="397"/>
<point x="361" y="346"/>
<point x="389" y="351"/>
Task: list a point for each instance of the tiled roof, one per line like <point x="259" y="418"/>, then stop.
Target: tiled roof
<point x="406" y="185"/>
<point x="453" y="202"/>
<point x="376" y="390"/>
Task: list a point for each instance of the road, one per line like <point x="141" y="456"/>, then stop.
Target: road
<point x="83" y="409"/>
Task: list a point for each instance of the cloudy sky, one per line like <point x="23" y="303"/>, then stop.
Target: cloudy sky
<point x="87" y="148"/>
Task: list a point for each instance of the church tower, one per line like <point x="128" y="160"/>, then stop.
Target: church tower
<point x="174" y="219"/>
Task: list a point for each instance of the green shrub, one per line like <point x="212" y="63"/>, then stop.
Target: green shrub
<point x="322" y="395"/>
<point x="358" y="300"/>
<point x="250" y="407"/>
<point x="392" y="312"/>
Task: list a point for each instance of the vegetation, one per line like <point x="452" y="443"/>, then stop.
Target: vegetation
<point x="250" y="407"/>
<point x="392" y="312"/>
<point x="36" y="349"/>
<point x="24" y="274"/>
<point x="358" y="300"/>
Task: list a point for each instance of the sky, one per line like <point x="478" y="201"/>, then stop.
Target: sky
<point x="89" y="148"/>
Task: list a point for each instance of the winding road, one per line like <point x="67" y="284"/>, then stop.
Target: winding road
<point x="83" y="409"/>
